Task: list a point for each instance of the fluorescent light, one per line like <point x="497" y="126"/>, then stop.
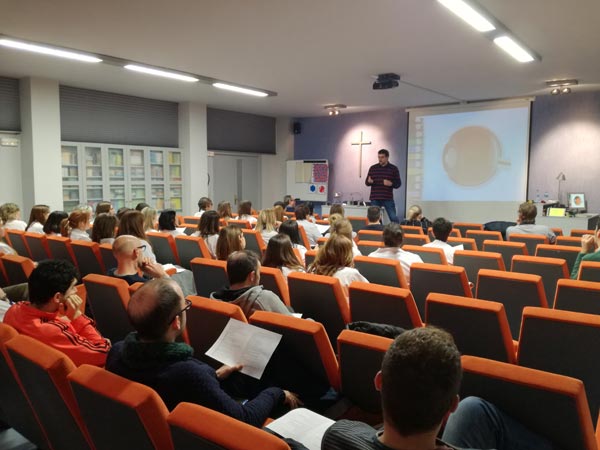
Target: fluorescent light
<point x="241" y="90"/>
<point x="48" y="50"/>
<point x="161" y="73"/>
<point x="507" y="44"/>
<point x="468" y="14"/>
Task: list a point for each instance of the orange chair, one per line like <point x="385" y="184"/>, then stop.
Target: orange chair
<point x="383" y="271"/>
<point x="304" y="237"/>
<point x="531" y="241"/>
<point x="481" y="236"/>
<point x="243" y="224"/>
<point x="453" y="233"/>
<point x="430" y="255"/>
<point x="370" y="235"/>
<point x="361" y="356"/>
<point x="17" y="410"/>
<point x="410" y="229"/>
<point x="479" y="327"/>
<point x="467" y="243"/>
<point x="194" y="426"/>
<point x="550" y="269"/>
<point x="108" y="258"/>
<point x="514" y="290"/>
<point x="119" y="413"/>
<point x="60" y="248"/>
<point x="205" y="322"/>
<point x="367" y="247"/>
<point x="506" y="249"/>
<point x="573" y="241"/>
<point x="163" y="245"/>
<point x="553" y="406"/>
<point x="579" y="233"/>
<point x="565" y="252"/>
<point x="589" y="271"/>
<point x="210" y="275"/>
<point x="272" y="279"/>
<point x="473" y="261"/>
<point x="190" y="247"/>
<point x="321" y="241"/>
<point x="557" y="231"/>
<point x="108" y="298"/>
<point x="304" y="360"/>
<point x="17" y="268"/>
<point x="255" y="241"/>
<point x="43" y="371"/>
<point x="358" y="223"/>
<point x="415" y="239"/>
<point x="320" y="298"/>
<point x="16" y="239"/>
<point x="309" y="257"/>
<point x="463" y="227"/>
<point x="427" y="278"/>
<point x="383" y="304"/>
<point x="37" y="245"/>
<point x="87" y="255"/>
<point x="563" y="342"/>
<point x="578" y="296"/>
<point x="3" y="276"/>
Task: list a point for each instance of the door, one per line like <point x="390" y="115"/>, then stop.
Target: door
<point x="234" y="178"/>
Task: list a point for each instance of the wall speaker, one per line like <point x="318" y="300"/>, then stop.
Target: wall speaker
<point x="297" y="127"/>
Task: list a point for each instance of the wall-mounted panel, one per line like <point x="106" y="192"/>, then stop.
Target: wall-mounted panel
<point x="240" y="132"/>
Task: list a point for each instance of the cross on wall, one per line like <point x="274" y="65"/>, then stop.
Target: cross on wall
<point x="360" y="144"/>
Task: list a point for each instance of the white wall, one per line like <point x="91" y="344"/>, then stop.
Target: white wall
<point x="193" y="142"/>
<point x="10" y="173"/>
<point x="273" y="167"/>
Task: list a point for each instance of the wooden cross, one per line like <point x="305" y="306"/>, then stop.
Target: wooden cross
<point x="360" y="143"/>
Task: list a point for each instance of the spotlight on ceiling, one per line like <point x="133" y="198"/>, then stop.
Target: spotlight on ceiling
<point x="561" y="86"/>
<point x="555" y="91"/>
<point x="334" y="110"/>
<point x="386" y="81"/>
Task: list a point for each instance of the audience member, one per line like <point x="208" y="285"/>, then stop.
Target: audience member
<point x="224" y="210"/>
<point x="52" y="225"/>
<point x="204" y="204"/>
<point x="312" y="232"/>
<point x="10" y="214"/>
<point x="526" y="223"/>
<point x="343" y="227"/>
<point x="54" y="314"/>
<point x="392" y="239"/>
<point x="243" y="273"/>
<point x="419" y="382"/>
<point x="589" y="252"/>
<point x="76" y="225"/>
<point x="150" y="219"/>
<point x="373" y="219"/>
<point x="122" y="210"/>
<point x="152" y="356"/>
<point x="280" y="254"/>
<point x="334" y="259"/>
<point x="139" y="207"/>
<point x="245" y="212"/>
<point x="290" y="203"/>
<point x="4" y="247"/>
<point x="441" y="230"/>
<point x="337" y="208"/>
<point x="267" y="224"/>
<point x="104" y="228"/>
<point x="37" y="218"/>
<point x="104" y="207"/>
<point x="414" y="218"/>
<point x="231" y="239"/>
<point x="208" y="229"/>
<point x="279" y="213"/>
<point x="290" y="227"/>
<point x="167" y="223"/>
<point x="132" y="223"/>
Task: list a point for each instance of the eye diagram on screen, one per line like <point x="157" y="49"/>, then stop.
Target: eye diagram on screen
<point x="472" y="156"/>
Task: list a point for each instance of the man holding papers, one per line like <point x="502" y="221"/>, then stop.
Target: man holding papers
<point x="151" y="356"/>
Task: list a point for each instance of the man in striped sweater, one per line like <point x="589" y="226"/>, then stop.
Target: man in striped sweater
<point x="383" y="178"/>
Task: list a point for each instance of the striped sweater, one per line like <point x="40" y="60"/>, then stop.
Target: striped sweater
<point x="378" y="173"/>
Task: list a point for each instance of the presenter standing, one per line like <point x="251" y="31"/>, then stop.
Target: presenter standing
<point x="383" y="178"/>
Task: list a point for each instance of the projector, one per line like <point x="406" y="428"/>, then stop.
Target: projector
<point x="386" y="81"/>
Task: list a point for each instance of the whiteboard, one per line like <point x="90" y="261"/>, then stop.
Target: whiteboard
<point x="308" y="179"/>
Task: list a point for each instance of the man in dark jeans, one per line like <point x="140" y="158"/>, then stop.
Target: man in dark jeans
<point x="383" y="178"/>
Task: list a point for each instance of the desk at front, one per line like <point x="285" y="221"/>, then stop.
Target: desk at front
<point x="580" y="222"/>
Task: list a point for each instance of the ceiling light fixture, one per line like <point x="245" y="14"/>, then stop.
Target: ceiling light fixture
<point x="161" y="73"/>
<point x="239" y="89"/>
<point x="46" y="50"/>
<point x="334" y="110"/>
<point x="510" y="46"/>
<point x="469" y="14"/>
<point x="561" y="86"/>
<point x="555" y="91"/>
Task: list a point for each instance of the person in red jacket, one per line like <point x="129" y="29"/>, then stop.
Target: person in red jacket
<point x="54" y="315"/>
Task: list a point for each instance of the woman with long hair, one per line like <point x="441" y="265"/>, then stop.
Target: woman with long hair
<point x="224" y="210"/>
<point x="414" y="218"/>
<point x="267" y="224"/>
<point x="52" y="225"/>
<point x="167" y="223"/>
<point x="104" y="228"/>
<point x="290" y="227"/>
<point x="132" y="223"/>
<point x="208" y="229"/>
<point x="343" y="227"/>
<point x="150" y="219"/>
<point x="231" y="239"/>
<point x="75" y="226"/>
<point x="104" y="207"/>
<point x="245" y="212"/>
<point x="280" y="254"/>
<point x="334" y="259"/>
<point x="37" y="218"/>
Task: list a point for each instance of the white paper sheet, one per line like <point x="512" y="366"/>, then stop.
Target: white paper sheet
<point x="242" y="343"/>
<point x="302" y="425"/>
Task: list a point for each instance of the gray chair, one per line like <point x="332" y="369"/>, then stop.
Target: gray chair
<point x="387" y="272"/>
<point x="473" y="261"/>
<point x="210" y="275"/>
<point x="550" y="269"/>
<point x="190" y="247"/>
<point x="566" y="252"/>
<point x="163" y="246"/>
<point x="506" y="249"/>
<point x="577" y="296"/>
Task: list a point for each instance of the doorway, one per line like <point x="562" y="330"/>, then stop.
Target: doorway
<point x="234" y="178"/>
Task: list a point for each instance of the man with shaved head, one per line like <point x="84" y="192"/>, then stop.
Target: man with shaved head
<point x="152" y="356"/>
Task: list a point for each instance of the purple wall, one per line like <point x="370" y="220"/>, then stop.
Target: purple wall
<point x="330" y="138"/>
<point x="565" y="136"/>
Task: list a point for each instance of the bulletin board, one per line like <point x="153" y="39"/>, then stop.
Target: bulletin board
<point x="308" y="179"/>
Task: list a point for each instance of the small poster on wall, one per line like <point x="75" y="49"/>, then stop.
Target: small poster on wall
<point x="317" y="189"/>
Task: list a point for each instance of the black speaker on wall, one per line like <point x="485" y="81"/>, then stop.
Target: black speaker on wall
<point x="297" y="128"/>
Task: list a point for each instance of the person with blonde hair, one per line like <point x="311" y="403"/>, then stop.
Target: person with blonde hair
<point x="10" y="214"/>
<point x="75" y="226"/>
<point x="280" y="254"/>
<point x="279" y="213"/>
<point x="224" y="210"/>
<point x="344" y="227"/>
<point x="337" y="208"/>
<point x="414" y="218"/>
<point x="37" y="218"/>
<point x="335" y="259"/>
<point x="208" y="229"/>
<point x="150" y="218"/>
<point x="231" y="239"/>
<point x="267" y="224"/>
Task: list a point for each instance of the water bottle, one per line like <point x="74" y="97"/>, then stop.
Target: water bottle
<point x="537" y="196"/>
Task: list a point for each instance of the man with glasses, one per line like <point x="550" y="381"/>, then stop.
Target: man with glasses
<point x="152" y="356"/>
<point x="54" y="314"/>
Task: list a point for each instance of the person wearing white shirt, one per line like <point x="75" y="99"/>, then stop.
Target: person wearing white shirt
<point x="441" y="230"/>
<point x="245" y="212"/>
<point x="37" y="218"/>
<point x="208" y="229"/>
<point x="267" y="224"/>
<point x="76" y="225"/>
<point x="10" y="214"/>
<point x="312" y="232"/>
<point x="204" y="204"/>
<point x="280" y="255"/>
<point x="392" y="239"/>
<point x="167" y="223"/>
